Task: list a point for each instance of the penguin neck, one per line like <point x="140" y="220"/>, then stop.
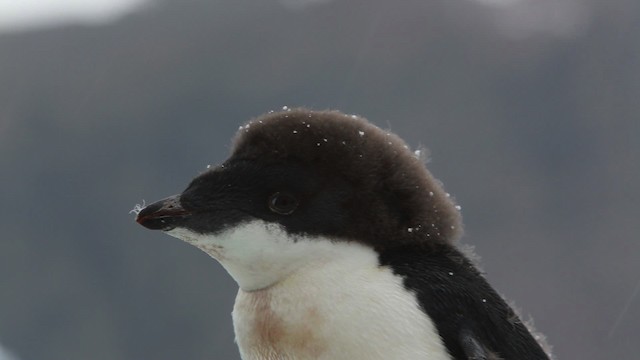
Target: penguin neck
<point x="259" y="255"/>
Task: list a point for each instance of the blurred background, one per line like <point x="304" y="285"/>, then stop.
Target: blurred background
<point x="530" y="110"/>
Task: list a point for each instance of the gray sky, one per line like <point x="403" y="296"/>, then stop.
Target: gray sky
<point x="29" y="14"/>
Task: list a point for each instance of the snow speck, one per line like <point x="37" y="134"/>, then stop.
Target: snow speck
<point x="418" y="153"/>
<point x="430" y="193"/>
<point x="450" y="273"/>
<point x="240" y="128"/>
<point x="410" y="229"/>
<point x="295" y="131"/>
<point x="484" y="300"/>
<point x="286" y="108"/>
<point x="453" y="227"/>
<point x="308" y="125"/>
<point x="448" y="195"/>
<point x="344" y="142"/>
<point x="361" y="133"/>
<point x="354" y="116"/>
<point x="317" y="144"/>
<point x="458" y="207"/>
<point x="136" y="209"/>
<point x="325" y="140"/>
<point x="209" y="166"/>
<point x="390" y="143"/>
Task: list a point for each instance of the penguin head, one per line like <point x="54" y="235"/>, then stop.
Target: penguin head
<point x="299" y="180"/>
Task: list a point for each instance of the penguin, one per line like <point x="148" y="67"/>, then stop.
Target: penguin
<point x="343" y="246"/>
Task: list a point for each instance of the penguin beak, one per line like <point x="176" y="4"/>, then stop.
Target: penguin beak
<point x="165" y="215"/>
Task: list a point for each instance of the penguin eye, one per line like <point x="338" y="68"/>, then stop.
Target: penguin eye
<point x="282" y="203"/>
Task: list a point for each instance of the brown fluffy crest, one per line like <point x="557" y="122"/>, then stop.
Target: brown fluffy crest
<point x="377" y="163"/>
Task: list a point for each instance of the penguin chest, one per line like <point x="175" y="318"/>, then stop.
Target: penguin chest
<point x="267" y="328"/>
<point x="333" y="314"/>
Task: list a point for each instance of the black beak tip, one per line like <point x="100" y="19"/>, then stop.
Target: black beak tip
<point x="165" y="215"/>
<point x="147" y="218"/>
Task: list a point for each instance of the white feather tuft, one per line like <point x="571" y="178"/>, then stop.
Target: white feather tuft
<point x="136" y="209"/>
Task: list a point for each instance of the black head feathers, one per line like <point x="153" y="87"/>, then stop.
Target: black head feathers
<point x="391" y="193"/>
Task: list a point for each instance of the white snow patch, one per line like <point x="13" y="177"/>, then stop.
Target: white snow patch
<point x="21" y="15"/>
<point x="6" y="354"/>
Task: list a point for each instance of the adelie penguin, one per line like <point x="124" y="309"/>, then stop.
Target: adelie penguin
<point x="343" y="247"/>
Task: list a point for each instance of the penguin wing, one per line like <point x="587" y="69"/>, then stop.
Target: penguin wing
<point x="473" y="320"/>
